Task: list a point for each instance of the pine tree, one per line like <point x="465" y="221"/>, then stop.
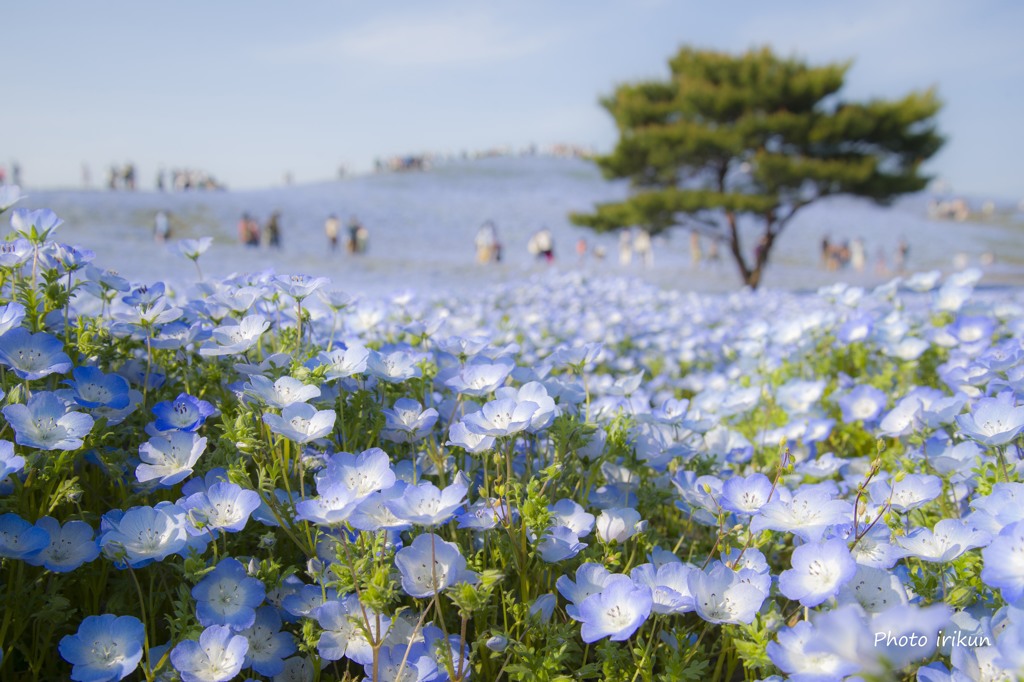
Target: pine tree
<point x="734" y="146"/>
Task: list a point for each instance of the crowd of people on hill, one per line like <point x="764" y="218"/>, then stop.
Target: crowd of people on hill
<point x="424" y="161"/>
<point x="853" y="253"/>
<point x="176" y="180"/>
<point x="251" y="233"/>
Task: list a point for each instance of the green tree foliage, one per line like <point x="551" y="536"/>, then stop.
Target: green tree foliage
<point x="734" y="146"/>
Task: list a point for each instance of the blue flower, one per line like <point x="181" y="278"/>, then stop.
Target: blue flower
<point x="950" y="539"/>
<point x="568" y="513"/>
<point x="15" y="253"/>
<point x="862" y="404"/>
<point x="789" y="653"/>
<point x="92" y="388"/>
<point x="669" y="585"/>
<point x="301" y="422"/>
<point x="142" y="535"/>
<point x="9" y="195"/>
<point x="268" y="646"/>
<point x="910" y="492"/>
<point x="365" y="473"/>
<point x="745" y="495"/>
<point x="71" y="545"/>
<point x="10" y="463"/>
<point x="807" y="513"/>
<point x="146" y="295"/>
<point x="105" y="648"/>
<point x="231" y="339"/>
<point x="299" y="286"/>
<point x="228" y="596"/>
<point x="590" y="579"/>
<point x="184" y="413"/>
<point x="373" y="514"/>
<point x="619" y="524"/>
<point x="875" y="589"/>
<point x="502" y="417"/>
<point x="280" y="393"/>
<point x="169" y="458"/>
<point x="66" y="258"/>
<point x="485" y="514"/>
<point x="720" y="596"/>
<point x="342" y="636"/>
<point x="332" y="505"/>
<point x="414" y="660"/>
<point x="479" y="377"/>
<point x="616" y="612"/>
<point x="19" y="539"/>
<point x="33" y="356"/>
<point x="194" y="248"/>
<point x="994" y="421"/>
<point x="304" y="602"/>
<point x="559" y="543"/>
<point x="1004" y="569"/>
<point x="407" y="421"/>
<point x="474" y="443"/>
<point x="341" y="362"/>
<point x="45" y="423"/>
<point x="218" y="656"/>
<point x="35" y="225"/>
<point x="425" y="505"/>
<point x="11" y="315"/>
<point x="394" y="367"/>
<point x="431" y="565"/>
<point x="223" y="506"/>
<point x="818" y="572"/>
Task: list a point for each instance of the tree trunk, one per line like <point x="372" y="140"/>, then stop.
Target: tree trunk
<point x="752" y="276"/>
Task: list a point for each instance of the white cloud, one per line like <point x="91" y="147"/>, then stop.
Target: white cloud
<point x="468" y="37"/>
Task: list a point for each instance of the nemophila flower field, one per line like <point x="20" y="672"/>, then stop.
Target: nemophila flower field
<point x="562" y="478"/>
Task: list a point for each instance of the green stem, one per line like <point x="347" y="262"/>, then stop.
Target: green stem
<point x="147" y="670"/>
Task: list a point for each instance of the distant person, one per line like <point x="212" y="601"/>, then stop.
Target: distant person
<point x="332" y="228"/>
<point x="581" y="249"/>
<point x="358" y="237"/>
<point x="353" y="232"/>
<point x="15" y="173"/>
<point x="902" y="251"/>
<point x="643" y="248"/>
<point x="625" y="247"/>
<point x="3" y="176"/>
<point x="248" y="231"/>
<point x="161" y="226"/>
<point x="843" y="253"/>
<point x="858" y="255"/>
<point x="826" y="253"/>
<point x="160" y="180"/>
<point x="695" y="254"/>
<point x="362" y="239"/>
<point x="129" y="177"/>
<point x="545" y="245"/>
<point x="485" y="242"/>
<point x="274" y="230"/>
<point x="112" y="178"/>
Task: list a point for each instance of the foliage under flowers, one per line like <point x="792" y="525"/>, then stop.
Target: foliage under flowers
<point x="558" y="479"/>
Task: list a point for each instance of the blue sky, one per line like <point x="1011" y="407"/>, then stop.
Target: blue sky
<point x="249" y="91"/>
